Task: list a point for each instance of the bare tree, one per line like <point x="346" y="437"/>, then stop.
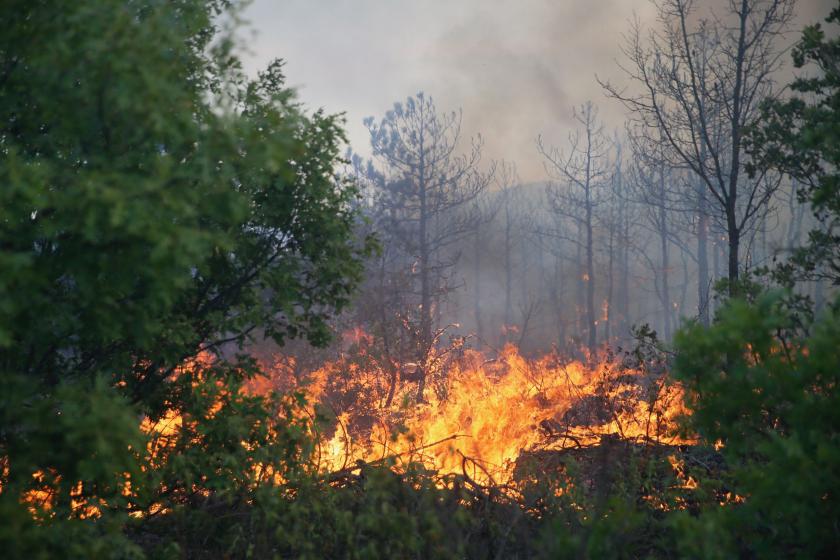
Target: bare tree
<point x="619" y="218"/>
<point x="700" y="86"/>
<point x="550" y="233"/>
<point x="430" y="192"/>
<point x="507" y="182"/>
<point x="583" y="172"/>
<point x="487" y="206"/>
<point x="386" y="294"/>
<point x="652" y="189"/>
<point x="704" y="302"/>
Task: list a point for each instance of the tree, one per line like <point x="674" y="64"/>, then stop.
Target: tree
<point x="487" y="206"/>
<point x="622" y="218"/>
<point x="156" y="205"/>
<point x="584" y="170"/>
<point x="429" y="191"/>
<point x="799" y="136"/>
<point x="761" y="380"/>
<point x="767" y="393"/>
<point x="700" y="86"/>
<point x="651" y="185"/>
<point x="704" y="302"/>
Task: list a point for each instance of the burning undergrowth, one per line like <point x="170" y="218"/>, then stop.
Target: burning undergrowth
<point x="489" y="415"/>
<point x="505" y="452"/>
<point x="503" y="448"/>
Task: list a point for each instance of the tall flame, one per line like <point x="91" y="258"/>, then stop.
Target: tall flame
<point x="484" y="413"/>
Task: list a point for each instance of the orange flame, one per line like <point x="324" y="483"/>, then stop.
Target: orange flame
<point x="483" y="413"/>
<point x="480" y="415"/>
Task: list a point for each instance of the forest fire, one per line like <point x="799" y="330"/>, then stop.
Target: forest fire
<point x="484" y="412"/>
<point x="415" y="294"/>
<point x="482" y="417"/>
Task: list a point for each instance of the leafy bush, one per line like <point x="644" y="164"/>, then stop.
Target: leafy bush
<point x="768" y="394"/>
<point x="156" y="204"/>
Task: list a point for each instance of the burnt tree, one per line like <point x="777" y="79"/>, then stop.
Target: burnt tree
<point x="430" y="191"/>
<point x="582" y="172"/>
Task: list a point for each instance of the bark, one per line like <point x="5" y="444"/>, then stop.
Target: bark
<point x="583" y="171"/>
<point x="610" y="284"/>
<point x="580" y="284"/>
<point x="479" y="322"/>
<point x="733" y="246"/>
<point x="732" y="227"/>
<point x="425" y="340"/>
<point x="666" y="265"/>
<point x="508" y="263"/>
<point x="702" y="80"/>
<point x="590" y="257"/>
<point x="390" y="366"/>
<point x="556" y="303"/>
<point x="431" y="192"/>
<point x="590" y="282"/>
<point x="625" y="270"/>
<point x="703" y="304"/>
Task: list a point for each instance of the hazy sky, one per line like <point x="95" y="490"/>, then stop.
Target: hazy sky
<point x="515" y="67"/>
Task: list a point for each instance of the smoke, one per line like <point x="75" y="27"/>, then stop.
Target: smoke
<point x="516" y="68"/>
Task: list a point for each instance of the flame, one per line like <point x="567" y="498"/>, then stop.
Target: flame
<point x="685" y="479"/>
<point x="483" y="412"/>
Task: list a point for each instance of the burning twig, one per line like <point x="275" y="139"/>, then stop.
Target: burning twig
<point x="342" y="473"/>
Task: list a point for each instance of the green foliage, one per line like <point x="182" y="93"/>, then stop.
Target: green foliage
<point x="155" y="203"/>
<point x="762" y="382"/>
<point x="61" y="436"/>
<point x="379" y="516"/>
<point x="769" y="394"/>
<point x="219" y="443"/>
<point x="616" y="522"/>
<point x="801" y="137"/>
<point x="152" y="201"/>
<point x="624" y="500"/>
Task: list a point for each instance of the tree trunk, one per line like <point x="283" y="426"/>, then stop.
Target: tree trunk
<point x="508" y="268"/>
<point x="590" y="267"/>
<point x="735" y="159"/>
<point x="425" y="341"/>
<point x="734" y="248"/>
<point x="555" y="302"/>
<point x="608" y="310"/>
<point x="625" y="272"/>
<point x="819" y="295"/>
<point x="391" y="368"/>
<point x="663" y="246"/>
<point x="479" y="330"/>
<point x="580" y="286"/>
<point x="590" y="282"/>
<point x="703" y="309"/>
